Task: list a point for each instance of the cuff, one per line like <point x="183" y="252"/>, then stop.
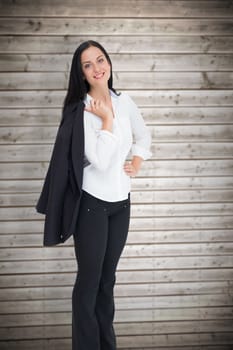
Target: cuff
<point x="141" y="152"/>
<point x="107" y="133"/>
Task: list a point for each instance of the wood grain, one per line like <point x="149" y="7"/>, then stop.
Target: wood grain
<point x="174" y="279"/>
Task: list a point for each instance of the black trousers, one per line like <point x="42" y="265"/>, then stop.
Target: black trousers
<point x="100" y="237"/>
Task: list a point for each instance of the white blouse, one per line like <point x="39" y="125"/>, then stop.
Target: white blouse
<point x="106" y="152"/>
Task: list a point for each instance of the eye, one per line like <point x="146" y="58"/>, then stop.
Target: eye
<point x="101" y="60"/>
<point x="87" y="65"/>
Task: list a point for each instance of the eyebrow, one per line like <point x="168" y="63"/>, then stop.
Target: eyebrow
<point x="90" y="61"/>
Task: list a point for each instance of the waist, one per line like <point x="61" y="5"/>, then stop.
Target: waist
<point x="104" y="202"/>
<point x="108" y="186"/>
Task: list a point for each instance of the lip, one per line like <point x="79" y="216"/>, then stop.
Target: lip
<point x="99" y="76"/>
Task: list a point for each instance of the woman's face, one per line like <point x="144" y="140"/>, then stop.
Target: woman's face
<point x="95" y="66"/>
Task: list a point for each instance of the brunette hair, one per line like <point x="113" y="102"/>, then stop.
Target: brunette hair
<point x="78" y="87"/>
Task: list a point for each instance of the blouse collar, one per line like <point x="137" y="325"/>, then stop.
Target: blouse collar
<point x="88" y="97"/>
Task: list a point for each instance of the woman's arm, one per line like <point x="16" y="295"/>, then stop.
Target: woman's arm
<point x="142" y="140"/>
<point x="100" y="144"/>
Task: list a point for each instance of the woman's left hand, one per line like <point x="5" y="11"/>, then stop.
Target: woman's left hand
<point x="133" y="167"/>
<point x="130" y="169"/>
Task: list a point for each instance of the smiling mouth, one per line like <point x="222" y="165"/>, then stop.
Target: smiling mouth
<point x="99" y="76"/>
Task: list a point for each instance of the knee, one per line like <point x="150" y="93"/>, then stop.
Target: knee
<point x="106" y="283"/>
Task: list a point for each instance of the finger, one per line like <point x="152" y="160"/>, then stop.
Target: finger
<point x="93" y="104"/>
<point x="127" y="164"/>
<point x="88" y="109"/>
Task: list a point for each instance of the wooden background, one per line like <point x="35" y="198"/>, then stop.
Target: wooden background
<point x="175" y="278"/>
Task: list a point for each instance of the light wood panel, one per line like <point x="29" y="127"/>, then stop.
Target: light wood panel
<point x="158" y="168"/>
<point x="121" y="290"/>
<point x="174" y="115"/>
<point x="66" y="344"/>
<point x="174" y="279"/>
<point x="63" y="330"/>
<point x="149" y="195"/>
<point x="160" y="134"/>
<point x="138" y="250"/>
<point x="159" y="278"/>
<point x="120" y="44"/>
<point x="134" y="237"/>
<point x="112" y="26"/>
<point x="137" y="223"/>
<point x="126" y="263"/>
<point x="131" y="8"/>
<point x="123" y="80"/>
<point x="159" y="315"/>
<point x="56" y="305"/>
<point x="146" y="98"/>
<point x="121" y="62"/>
<point x="188" y="185"/>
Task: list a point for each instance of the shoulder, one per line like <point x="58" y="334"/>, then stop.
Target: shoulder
<point x="68" y="116"/>
<point x="72" y="108"/>
<point x="129" y="102"/>
<point x="70" y="111"/>
<point x="124" y="96"/>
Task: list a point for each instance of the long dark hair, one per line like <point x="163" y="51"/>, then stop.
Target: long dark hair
<point x="78" y="87"/>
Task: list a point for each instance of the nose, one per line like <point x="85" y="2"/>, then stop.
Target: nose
<point x="96" y="68"/>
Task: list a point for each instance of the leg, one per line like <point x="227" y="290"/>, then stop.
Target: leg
<point x="117" y="235"/>
<point x="90" y="245"/>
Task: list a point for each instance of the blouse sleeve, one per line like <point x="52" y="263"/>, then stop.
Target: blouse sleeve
<point x="142" y="136"/>
<point x="100" y="145"/>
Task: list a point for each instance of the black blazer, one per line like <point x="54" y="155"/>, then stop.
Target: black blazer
<point x="60" y="196"/>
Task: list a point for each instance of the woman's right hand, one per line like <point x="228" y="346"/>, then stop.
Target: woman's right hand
<point x="100" y="108"/>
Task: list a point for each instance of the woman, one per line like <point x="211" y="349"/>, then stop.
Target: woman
<point x="111" y="120"/>
<point x="86" y="191"/>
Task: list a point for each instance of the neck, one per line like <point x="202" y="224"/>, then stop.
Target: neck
<point x="100" y="93"/>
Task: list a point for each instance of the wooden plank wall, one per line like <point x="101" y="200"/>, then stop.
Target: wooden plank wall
<point x="175" y="278"/>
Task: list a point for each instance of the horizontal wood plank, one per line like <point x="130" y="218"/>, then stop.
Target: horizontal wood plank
<point x="120" y="43"/>
<point x="145" y="210"/>
<point x="149" y="98"/>
<point x="137" y="223"/>
<point x="168" y="137"/>
<point x="134" y="237"/>
<point x="152" y="116"/>
<point x="210" y="186"/>
<point x="130" y="304"/>
<point x="125" y="263"/>
<point x="130" y="251"/>
<point x="131" y="8"/>
<point x="129" y="343"/>
<point x="210" y="289"/>
<point x="121" y="62"/>
<point x="160" y="315"/>
<point x="133" y="328"/>
<point x="183" y="277"/>
<point x="209" y="198"/>
<point x="158" y="168"/>
<point x="143" y="26"/>
<point x="123" y="80"/>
